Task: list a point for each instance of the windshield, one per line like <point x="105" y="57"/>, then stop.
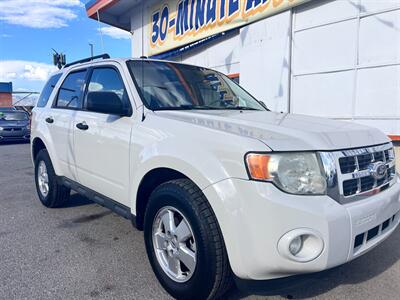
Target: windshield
<point x="13" y="116"/>
<point x="167" y="86"/>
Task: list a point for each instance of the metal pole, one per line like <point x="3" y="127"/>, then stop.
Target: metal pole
<point x="101" y="31"/>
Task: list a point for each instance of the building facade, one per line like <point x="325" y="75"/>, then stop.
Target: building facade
<point x="330" y="58"/>
<point x="6" y="94"/>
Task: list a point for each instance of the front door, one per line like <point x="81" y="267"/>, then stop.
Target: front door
<point x="102" y="141"/>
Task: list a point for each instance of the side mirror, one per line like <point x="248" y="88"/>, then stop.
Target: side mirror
<point x="106" y="103"/>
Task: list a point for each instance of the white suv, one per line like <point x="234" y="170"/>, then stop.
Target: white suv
<point x="223" y="188"/>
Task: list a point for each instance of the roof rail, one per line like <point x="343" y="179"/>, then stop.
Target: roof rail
<point x="81" y="61"/>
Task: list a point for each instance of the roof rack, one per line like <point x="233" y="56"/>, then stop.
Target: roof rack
<point x="81" y="61"/>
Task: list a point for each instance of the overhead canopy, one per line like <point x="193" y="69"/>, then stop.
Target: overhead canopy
<point x="175" y="24"/>
<point x="112" y="12"/>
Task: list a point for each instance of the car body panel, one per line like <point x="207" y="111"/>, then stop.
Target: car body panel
<point x="102" y="154"/>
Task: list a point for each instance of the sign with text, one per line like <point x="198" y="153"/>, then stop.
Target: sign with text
<point x="175" y="23"/>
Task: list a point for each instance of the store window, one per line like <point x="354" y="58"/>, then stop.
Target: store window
<point x="235" y="77"/>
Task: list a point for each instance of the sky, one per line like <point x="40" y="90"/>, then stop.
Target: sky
<point x="29" y="29"/>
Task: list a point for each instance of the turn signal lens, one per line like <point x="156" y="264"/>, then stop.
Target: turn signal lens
<point x="258" y="166"/>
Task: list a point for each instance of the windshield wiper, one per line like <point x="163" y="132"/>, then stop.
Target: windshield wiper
<point x="204" y="107"/>
<point x="188" y="107"/>
<point x="240" y="108"/>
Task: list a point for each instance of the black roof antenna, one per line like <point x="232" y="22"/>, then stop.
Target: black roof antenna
<point x="143" y="57"/>
<point x="143" y="107"/>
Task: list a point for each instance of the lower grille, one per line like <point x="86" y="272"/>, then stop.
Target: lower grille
<point x="365" y="237"/>
<point x="13" y="129"/>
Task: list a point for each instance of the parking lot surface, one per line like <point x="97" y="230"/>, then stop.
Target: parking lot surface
<point x="84" y="251"/>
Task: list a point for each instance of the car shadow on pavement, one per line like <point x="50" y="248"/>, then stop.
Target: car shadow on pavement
<point x="360" y="270"/>
<point x="77" y="200"/>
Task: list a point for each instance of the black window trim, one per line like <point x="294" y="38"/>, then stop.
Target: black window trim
<point x="89" y="77"/>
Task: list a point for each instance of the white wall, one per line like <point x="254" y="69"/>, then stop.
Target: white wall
<point x="265" y="60"/>
<point x="222" y="55"/>
<point x="140" y="34"/>
<point x="346" y="61"/>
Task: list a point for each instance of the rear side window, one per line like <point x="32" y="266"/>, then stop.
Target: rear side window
<point x="70" y="93"/>
<point x="47" y="90"/>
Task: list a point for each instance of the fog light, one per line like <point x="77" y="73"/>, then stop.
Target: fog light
<point x="295" y="245"/>
<point x="301" y="245"/>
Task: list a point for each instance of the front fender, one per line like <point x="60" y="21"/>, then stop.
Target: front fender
<point x="205" y="157"/>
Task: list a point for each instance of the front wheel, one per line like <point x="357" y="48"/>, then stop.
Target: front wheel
<point x="184" y="242"/>
<point x="50" y="192"/>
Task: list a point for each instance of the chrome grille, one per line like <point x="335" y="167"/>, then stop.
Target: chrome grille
<point x="355" y="177"/>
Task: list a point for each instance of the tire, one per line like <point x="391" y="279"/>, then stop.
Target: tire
<point x="211" y="277"/>
<point x="57" y="195"/>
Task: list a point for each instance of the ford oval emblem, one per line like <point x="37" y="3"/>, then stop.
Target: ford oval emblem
<point x="378" y="170"/>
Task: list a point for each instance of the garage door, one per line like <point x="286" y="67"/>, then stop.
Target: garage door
<point x="346" y="61"/>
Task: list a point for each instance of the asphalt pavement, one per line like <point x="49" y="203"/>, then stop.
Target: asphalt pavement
<point x="84" y="251"/>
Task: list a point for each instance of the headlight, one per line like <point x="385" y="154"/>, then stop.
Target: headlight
<point x="295" y="173"/>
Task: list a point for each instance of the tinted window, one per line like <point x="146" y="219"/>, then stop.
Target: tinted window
<point x="69" y="95"/>
<point x="108" y="80"/>
<point x="13" y="116"/>
<point x="47" y="90"/>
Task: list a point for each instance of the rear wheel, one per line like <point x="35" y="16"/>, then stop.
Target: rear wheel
<point x="50" y="192"/>
<point x="184" y="243"/>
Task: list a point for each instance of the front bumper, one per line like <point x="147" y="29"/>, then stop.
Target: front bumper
<point x="20" y="134"/>
<point x="254" y="216"/>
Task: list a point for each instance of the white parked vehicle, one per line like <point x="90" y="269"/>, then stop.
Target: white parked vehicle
<point x="223" y="188"/>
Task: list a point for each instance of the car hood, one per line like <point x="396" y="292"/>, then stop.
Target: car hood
<point x="283" y="131"/>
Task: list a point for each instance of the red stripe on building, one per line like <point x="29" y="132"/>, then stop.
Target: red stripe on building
<point x="98" y="6"/>
<point x="395" y="138"/>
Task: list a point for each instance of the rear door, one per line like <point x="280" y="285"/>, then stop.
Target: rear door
<point x="60" y="118"/>
<point x="102" y="145"/>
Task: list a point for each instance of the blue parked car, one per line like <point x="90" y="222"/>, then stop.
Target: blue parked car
<point x="14" y="125"/>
